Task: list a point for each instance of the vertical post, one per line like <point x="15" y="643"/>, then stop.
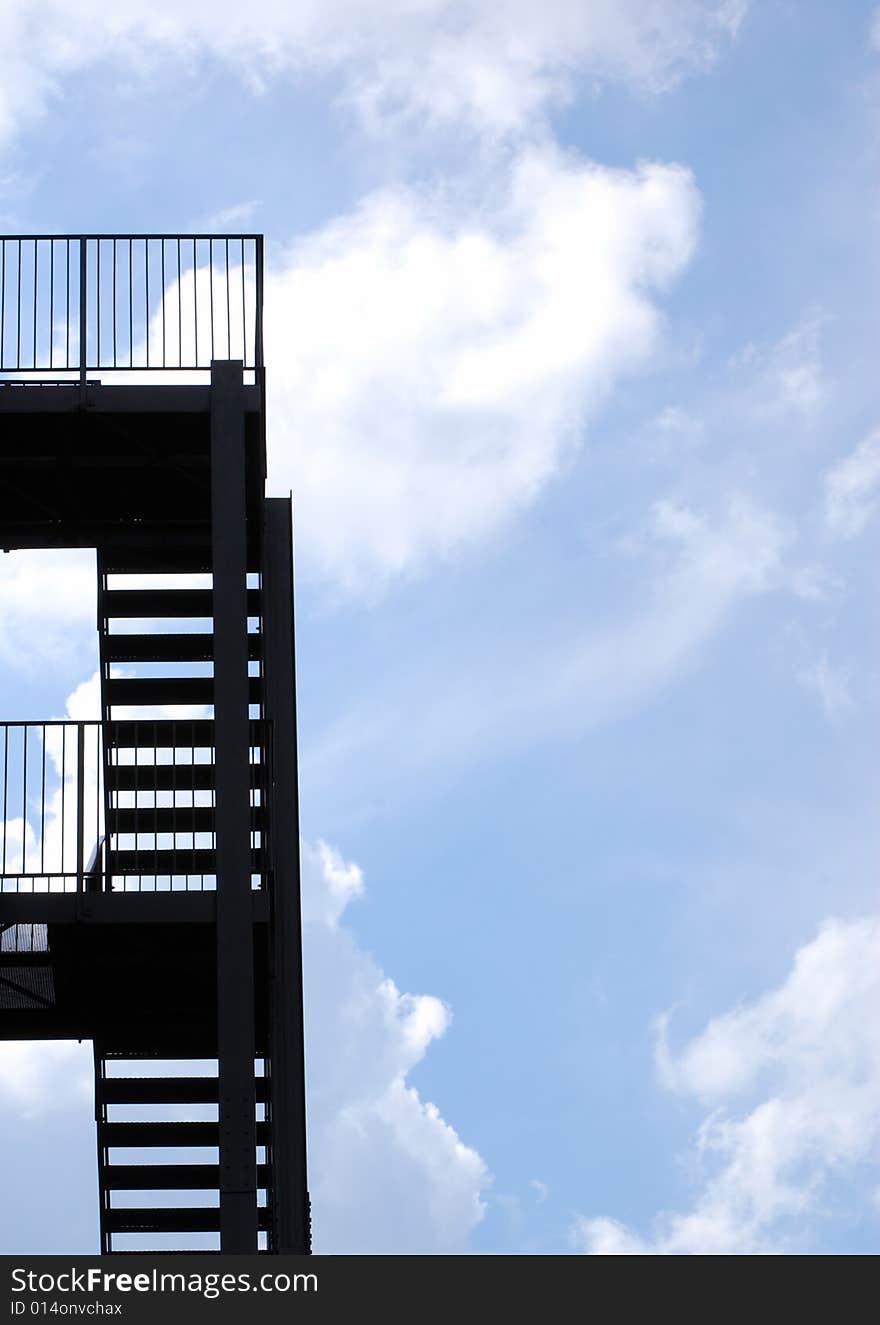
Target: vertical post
<point x="291" y="1216"/>
<point x="258" y="302"/>
<point x="235" y="930"/>
<point x="80" y="806"/>
<point x="83" y="304"/>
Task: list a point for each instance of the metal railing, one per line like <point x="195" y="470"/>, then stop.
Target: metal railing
<point x="125" y="806"/>
<point x="51" y="795"/>
<point x="80" y="304"/>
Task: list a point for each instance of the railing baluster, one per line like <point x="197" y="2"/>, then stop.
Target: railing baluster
<point x="164" y="351"/>
<point x="211" y="282"/>
<point x="36" y="288"/>
<point x="2" y="304"/>
<point x="195" y="307"/>
<point x="130" y="306"/>
<point x="5" y="789"/>
<point x="83" y="316"/>
<point x="24" y="802"/>
<point x="18" y="314"/>
<point x="114" y="304"/>
<point x="80" y="804"/>
<point x="51" y="303"/>
<point x="67" y="319"/>
<point x="147" y="294"/>
<point x="43" y="803"/>
<point x="98" y="303"/>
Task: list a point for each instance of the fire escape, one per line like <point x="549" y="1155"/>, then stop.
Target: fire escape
<point x="149" y="860"/>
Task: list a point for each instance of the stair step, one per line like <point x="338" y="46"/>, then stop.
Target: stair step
<point x="168" y="777"/>
<point x="156" y="559"/>
<point x="170" y="690"/>
<point x="170" y="819"/>
<point x="194" y="1219"/>
<point x="170" y="1177"/>
<point x="168" y="1134"/>
<point x="167" y="733"/>
<point x="169" y="1090"/>
<point x="169" y="648"/>
<point x="165" y="603"/>
<point x="162" y="819"/>
<point x="147" y="861"/>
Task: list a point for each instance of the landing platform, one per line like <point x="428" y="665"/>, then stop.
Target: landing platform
<point x="136" y="970"/>
<point x="121" y="461"/>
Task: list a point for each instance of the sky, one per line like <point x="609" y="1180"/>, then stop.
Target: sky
<point x="570" y="328"/>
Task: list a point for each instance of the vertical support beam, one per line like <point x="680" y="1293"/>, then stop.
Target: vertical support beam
<point x="287" y="1086"/>
<point x="235" y="930"/>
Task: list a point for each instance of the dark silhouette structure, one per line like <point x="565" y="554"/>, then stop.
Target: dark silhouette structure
<point x="149" y="882"/>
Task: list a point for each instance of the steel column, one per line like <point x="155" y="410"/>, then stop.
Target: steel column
<point x="235" y="935"/>
<point x="291" y="1232"/>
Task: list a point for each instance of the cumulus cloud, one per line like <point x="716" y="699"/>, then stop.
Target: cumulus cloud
<point x="428" y="374"/>
<point x="495" y="67"/>
<point x="387" y="1173"/>
<point x="792" y="1082"/>
<point x="46" y="597"/>
<point x="41" y="1076"/>
<point x="852" y="489"/>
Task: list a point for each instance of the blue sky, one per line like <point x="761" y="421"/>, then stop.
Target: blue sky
<point x="569" y="338"/>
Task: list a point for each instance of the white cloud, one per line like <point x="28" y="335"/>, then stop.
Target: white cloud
<point x="852" y="489"/>
<point x="387" y="1173"/>
<point x="428" y="375"/>
<point x="39" y="1076"/>
<point x="45" y="595"/>
<point x="793" y="1083"/>
<point x="874" y="33"/>
<point x="831" y="686"/>
<point x="787" y="377"/>
<point x="495" y="67"/>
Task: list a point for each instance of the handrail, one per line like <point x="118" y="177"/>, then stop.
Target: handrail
<point x="106" y="303"/>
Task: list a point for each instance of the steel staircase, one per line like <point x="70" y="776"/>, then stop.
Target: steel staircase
<point x="159" y="769"/>
<point x="160" y="834"/>
<point x="176" y="1163"/>
<point x="178" y="943"/>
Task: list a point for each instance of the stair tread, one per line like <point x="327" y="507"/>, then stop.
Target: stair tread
<point x="169" y="690"/>
<point x="168" y="1090"/>
<point x="170" y="819"/>
<point x="150" y="559"/>
<point x="167" y="733"/>
<point x="169" y="1177"/>
<point x="188" y="1219"/>
<point x="149" y="603"/>
<point x="148" y="1134"/>
<point x="168" y="777"/>
<point x="171" y="860"/>
<point x="193" y="647"/>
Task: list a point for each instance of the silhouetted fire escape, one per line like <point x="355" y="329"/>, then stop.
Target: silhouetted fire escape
<point x="149" y="885"/>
